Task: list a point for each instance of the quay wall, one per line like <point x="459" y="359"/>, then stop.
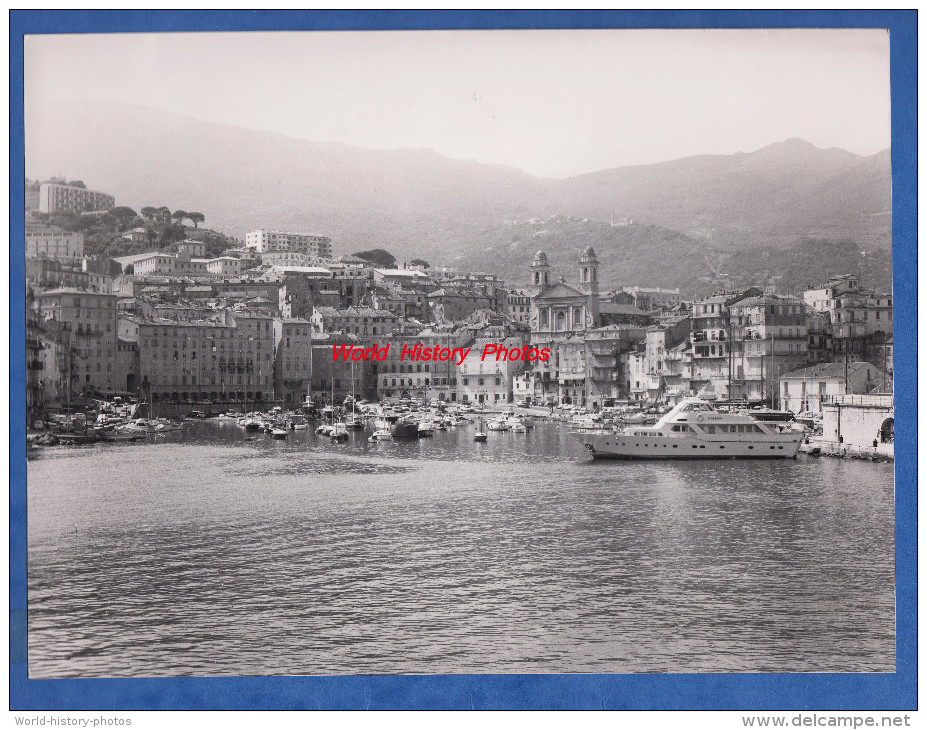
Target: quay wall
<point x="859" y="423"/>
<point x="881" y="452"/>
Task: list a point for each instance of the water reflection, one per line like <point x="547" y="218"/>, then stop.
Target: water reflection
<point x="206" y="553"/>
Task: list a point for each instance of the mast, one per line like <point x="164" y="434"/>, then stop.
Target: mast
<point x="811" y="395"/>
<point x="730" y="360"/>
<point x="763" y="376"/>
<point x="772" y="369"/>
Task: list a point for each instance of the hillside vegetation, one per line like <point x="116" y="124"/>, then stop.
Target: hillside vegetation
<point x="103" y="235"/>
<point x="693" y="220"/>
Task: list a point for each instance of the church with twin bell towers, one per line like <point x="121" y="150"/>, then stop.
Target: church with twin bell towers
<point x="560" y="310"/>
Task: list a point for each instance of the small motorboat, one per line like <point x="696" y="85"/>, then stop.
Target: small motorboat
<point x="480" y="434"/>
<point x="338" y="432"/>
<point x="278" y="433"/>
<point x="405" y="429"/>
<point x="76" y="439"/>
<point x="382" y="434"/>
<point x="354" y="423"/>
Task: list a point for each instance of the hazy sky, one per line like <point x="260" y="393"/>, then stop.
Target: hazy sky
<point x="553" y="103"/>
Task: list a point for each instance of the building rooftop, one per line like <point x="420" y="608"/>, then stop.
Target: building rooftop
<point x="829" y="370"/>
<point x="768" y="299"/>
<point x="629" y="309"/>
<point x="408" y="273"/>
<point x="73" y="290"/>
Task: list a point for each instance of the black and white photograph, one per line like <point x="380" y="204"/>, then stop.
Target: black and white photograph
<point x="477" y="352"/>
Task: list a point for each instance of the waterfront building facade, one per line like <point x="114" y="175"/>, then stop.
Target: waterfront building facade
<point x="228" y="358"/>
<point x="712" y="363"/>
<point x="341" y="377"/>
<point x="91" y="319"/>
<point x="490" y="381"/>
<point x="292" y="360"/>
<point x="769" y="338"/>
<point x="420" y="380"/>
<point x="809" y="388"/>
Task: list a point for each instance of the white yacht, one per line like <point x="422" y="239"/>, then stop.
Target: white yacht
<point x="694" y="430"/>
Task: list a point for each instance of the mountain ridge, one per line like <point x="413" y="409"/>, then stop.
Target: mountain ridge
<point x="419" y="203"/>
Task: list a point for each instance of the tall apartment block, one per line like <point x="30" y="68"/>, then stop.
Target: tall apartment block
<point x="56" y="198"/>
<point x="305" y="243"/>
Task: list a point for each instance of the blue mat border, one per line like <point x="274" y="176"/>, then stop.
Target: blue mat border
<point x="747" y="692"/>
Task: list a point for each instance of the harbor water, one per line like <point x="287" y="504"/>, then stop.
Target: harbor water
<point x="214" y="552"/>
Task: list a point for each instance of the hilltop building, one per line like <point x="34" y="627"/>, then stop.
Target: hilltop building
<point x="309" y="244"/>
<point x="59" y="198"/>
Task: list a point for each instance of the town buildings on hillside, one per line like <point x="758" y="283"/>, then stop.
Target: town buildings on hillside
<point x="259" y="324"/>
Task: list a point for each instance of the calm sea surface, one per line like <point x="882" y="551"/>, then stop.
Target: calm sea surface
<point x="210" y="554"/>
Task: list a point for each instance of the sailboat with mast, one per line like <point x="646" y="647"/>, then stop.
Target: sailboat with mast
<point x="480" y="434"/>
<point x="352" y="422"/>
<point x="338" y="431"/>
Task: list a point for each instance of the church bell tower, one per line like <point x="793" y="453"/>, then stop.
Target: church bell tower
<point x="540" y="271"/>
<point x="589" y="278"/>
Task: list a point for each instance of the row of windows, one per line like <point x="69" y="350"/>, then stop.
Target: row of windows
<point x="93" y="302"/>
<point x="243" y="396"/>
<point x="90" y="330"/>
<point x="480" y="398"/>
<point x="218" y="333"/>
<point x="482" y="381"/>
<point x="182" y="357"/>
<point x="394" y="368"/>
<point x="242" y="345"/>
<point x="213" y="380"/>
<point x="732" y="428"/>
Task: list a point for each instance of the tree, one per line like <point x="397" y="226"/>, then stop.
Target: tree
<point x="378" y="256"/>
<point x="149" y="213"/>
<point x="164" y="214"/>
<point x="124" y="216"/>
<point x="179" y="215"/>
<point x="77" y="184"/>
<point x="420" y="262"/>
<point x="171" y="234"/>
<point x="196" y="218"/>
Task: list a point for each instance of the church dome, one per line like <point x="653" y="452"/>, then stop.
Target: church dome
<point x="540" y="259"/>
<point x="588" y="256"/>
